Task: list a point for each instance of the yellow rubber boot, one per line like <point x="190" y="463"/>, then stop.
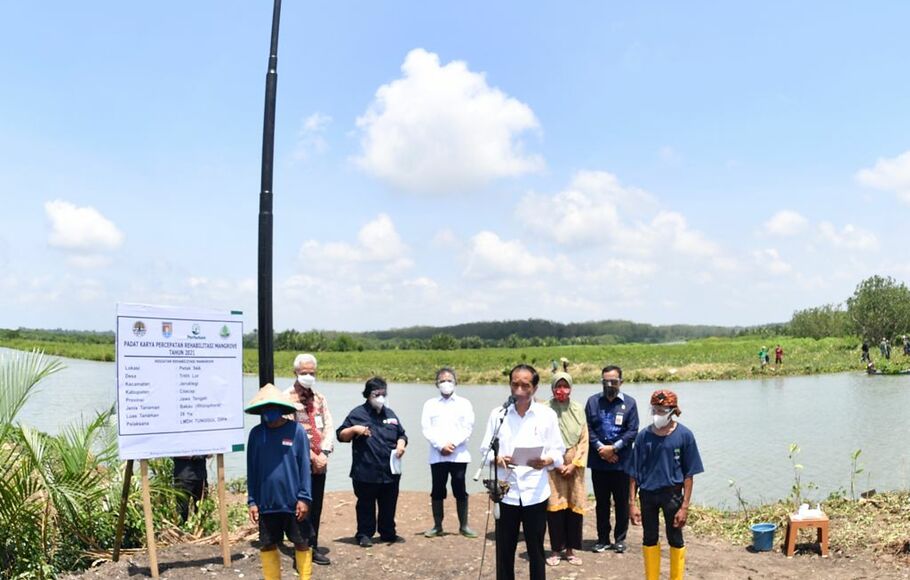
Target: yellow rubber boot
<point x="304" y="563"/>
<point x="652" y="562"/>
<point x="677" y="563"/>
<point x="271" y="564"/>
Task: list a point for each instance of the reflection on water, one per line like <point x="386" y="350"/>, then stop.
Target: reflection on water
<point x="743" y="427"/>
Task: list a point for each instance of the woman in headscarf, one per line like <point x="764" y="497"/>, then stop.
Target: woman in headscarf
<point x="566" y="508"/>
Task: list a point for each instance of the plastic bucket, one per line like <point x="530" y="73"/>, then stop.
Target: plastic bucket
<point x="763" y="536"/>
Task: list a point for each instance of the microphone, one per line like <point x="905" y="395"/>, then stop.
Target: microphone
<point x="509" y="401"/>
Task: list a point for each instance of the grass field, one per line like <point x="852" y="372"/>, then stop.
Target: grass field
<point x="705" y="359"/>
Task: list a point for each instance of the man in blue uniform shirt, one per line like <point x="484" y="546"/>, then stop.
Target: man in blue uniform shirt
<point x="664" y="461"/>
<point x="376" y="434"/>
<point x="612" y="425"/>
<point x="278" y="482"/>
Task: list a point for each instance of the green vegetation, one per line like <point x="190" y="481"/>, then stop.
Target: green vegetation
<point x="879" y="523"/>
<point x="59" y="495"/>
<point x="704" y="359"/>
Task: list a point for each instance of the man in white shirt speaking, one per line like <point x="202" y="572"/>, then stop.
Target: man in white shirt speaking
<point x="526" y="425"/>
<point x="447" y="422"/>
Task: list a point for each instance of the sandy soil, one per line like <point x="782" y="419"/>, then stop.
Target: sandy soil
<point x="453" y="556"/>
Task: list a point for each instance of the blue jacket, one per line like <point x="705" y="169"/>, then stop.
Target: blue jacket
<point x="278" y="468"/>
<point x="611" y="423"/>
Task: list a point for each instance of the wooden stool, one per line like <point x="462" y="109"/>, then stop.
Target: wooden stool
<point x="794" y="523"/>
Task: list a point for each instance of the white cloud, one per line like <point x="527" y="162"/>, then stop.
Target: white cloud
<point x="771" y="260"/>
<point x="889" y="175"/>
<point x="587" y="211"/>
<point x="786" y="223"/>
<point x="849" y="237"/>
<point x="442" y="128"/>
<point x="310" y="139"/>
<point x="377" y="242"/>
<point x="492" y="256"/>
<point x="80" y="229"/>
<point x="596" y="209"/>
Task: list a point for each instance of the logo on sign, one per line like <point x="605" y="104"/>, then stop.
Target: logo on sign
<point x="225" y="331"/>
<point x="196" y="330"/>
<point x="167" y="329"/>
<point x="139" y="328"/>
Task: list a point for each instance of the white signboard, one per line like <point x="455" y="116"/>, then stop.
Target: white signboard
<point x="179" y="381"/>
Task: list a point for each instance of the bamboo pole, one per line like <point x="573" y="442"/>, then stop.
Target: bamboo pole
<point x="222" y="509"/>
<point x="149" y="525"/>
<point x="121" y="517"/>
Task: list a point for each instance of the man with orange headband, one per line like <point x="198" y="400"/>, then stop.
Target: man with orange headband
<point x="664" y="460"/>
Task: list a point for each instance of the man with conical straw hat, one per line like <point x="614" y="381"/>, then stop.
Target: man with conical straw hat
<point x="278" y="481"/>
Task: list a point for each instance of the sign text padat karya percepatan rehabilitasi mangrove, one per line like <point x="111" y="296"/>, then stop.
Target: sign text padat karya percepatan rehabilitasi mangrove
<point x="179" y="381"/>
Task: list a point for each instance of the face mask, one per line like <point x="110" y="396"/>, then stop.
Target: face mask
<point x="661" y="421"/>
<point x="306" y="381"/>
<point x="561" y="395"/>
<point x="611" y="392"/>
<point x="377" y="402"/>
<point x="446" y="388"/>
<point x="271" y="415"/>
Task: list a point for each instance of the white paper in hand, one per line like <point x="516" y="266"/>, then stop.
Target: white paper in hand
<point x="395" y="463"/>
<point x="523" y="455"/>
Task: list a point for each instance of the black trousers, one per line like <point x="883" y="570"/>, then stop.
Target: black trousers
<point x="194" y="490"/>
<point x="533" y="520"/>
<point x="565" y="529"/>
<point x="668" y="500"/>
<point x="611" y="485"/>
<point x="373" y="497"/>
<point x="318" y="491"/>
<point x="441" y="472"/>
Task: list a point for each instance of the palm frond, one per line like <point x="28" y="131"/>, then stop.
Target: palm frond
<point x="20" y="373"/>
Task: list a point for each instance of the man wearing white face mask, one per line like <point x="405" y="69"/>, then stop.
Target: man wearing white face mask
<point x="447" y="422"/>
<point x="314" y="416"/>
<point x="665" y="459"/>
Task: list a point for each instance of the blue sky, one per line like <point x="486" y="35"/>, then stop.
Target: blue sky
<point x="440" y="163"/>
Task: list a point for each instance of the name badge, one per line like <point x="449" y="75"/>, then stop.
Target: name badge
<point x="318" y="420"/>
<point x="287" y="442"/>
<point x="618" y="419"/>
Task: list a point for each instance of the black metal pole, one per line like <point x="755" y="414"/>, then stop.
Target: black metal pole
<point x="266" y="332"/>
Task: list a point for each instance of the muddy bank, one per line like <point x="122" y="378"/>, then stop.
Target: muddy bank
<point x="453" y="556"/>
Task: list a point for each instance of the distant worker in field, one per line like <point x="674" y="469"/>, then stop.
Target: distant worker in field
<point x="778" y="355"/>
<point x="865" y="348"/>
<point x="377" y="441"/>
<point x="612" y="421"/>
<point x="565" y="364"/>
<point x="278" y="482"/>
<point x="763" y="356"/>
<point x="568" y="496"/>
<point x="314" y="416"/>
<point x="447" y="422"/>
<point x="886" y="348"/>
<point x="664" y="461"/>
<point x="906" y="344"/>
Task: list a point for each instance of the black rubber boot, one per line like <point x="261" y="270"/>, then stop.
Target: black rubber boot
<point x="462" y="507"/>
<point x="438" y="512"/>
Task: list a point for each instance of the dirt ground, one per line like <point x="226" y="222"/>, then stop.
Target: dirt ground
<point x="453" y="556"/>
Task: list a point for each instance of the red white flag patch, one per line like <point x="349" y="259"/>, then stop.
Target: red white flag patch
<point x="287" y="442"/>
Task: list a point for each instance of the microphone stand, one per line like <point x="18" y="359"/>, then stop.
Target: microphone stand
<point x="496" y="490"/>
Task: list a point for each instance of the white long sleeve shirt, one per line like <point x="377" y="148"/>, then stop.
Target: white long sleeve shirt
<point x="539" y="427"/>
<point x="448" y="420"/>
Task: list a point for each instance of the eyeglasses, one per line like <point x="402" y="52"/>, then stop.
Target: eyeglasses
<point x="611" y="382"/>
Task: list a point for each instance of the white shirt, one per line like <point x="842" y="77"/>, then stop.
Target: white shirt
<point x="448" y="420"/>
<point x="539" y="427"/>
